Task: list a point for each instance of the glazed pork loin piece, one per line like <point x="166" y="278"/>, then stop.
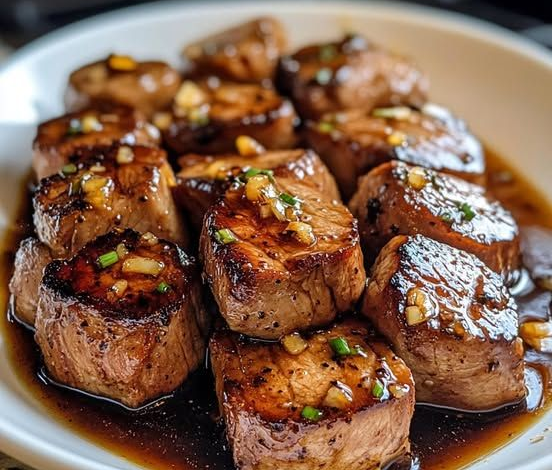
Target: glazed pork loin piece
<point x="337" y="398"/>
<point x="202" y="179"/>
<point x="58" y="138"/>
<point x="123" y="318"/>
<point x="279" y="256"/>
<point x="117" y="186"/>
<point x="248" y="52"/>
<point x="208" y="115"/>
<point x="30" y="260"/>
<point x="451" y="319"/>
<point x="146" y="86"/>
<point x="396" y="198"/>
<point x="352" y="143"/>
<point x="351" y="73"/>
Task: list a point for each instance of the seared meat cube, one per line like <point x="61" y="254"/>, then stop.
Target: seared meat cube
<point x="396" y="198"/>
<point x="452" y="320"/>
<point x="245" y="53"/>
<point x="58" y="138"/>
<point x="203" y="178"/>
<point x="146" y="86"/>
<point x="350" y="74"/>
<point x="309" y="402"/>
<point x="118" y="186"/>
<point x="30" y="260"/>
<point x="123" y="318"/>
<point x="207" y="117"/>
<point x="353" y="142"/>
<point x="279" y="256"/>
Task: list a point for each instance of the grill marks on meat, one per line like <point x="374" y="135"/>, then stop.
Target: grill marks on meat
<point x="30" y="260"/>
<point x="145" y="86"/>
<point x="351" y="143"/>
<point x="71" y="210"/>
<point x="245" y="53"/>
<point x="464" y="353"/>
<point x="268" y="284"/>
<point x="57" y="139"/>
<point x="225" y="110"/>
<point x="349" y="74"/>
<point x="262" y="390"/>
<point x="134" y="343"/>
<point x="203" y="179"/>
<point x="439" y="206"/>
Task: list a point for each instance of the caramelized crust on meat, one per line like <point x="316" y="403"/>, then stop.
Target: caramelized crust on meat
<point x="453" y="322"/>
<point x="353" y="142"/>
<point x="30" y="260"/>
<point x="349" y="74"/>
<point x="204" y="178"/>
<point x="131" y="331"/>
<point x="262" y="390"/>
<point x="58" y="138"/>
<point x="396" y="198"/>
<point x="245" y="53"/>
<point x="214" y="113"/>
<point x="268" y="283"/>
<point x="146" y="86"/>
<point x="101" y="193"/>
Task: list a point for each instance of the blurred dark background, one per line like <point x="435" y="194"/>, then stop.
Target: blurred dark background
<point x="24" y="20"/>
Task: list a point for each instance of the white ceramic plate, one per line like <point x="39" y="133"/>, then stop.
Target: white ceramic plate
<point x="500" y="83"/>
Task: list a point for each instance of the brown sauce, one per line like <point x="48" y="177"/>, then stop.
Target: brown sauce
<point x="182" y="433"/>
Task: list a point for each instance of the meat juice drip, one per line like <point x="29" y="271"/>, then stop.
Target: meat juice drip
<point x="184" y="431"/>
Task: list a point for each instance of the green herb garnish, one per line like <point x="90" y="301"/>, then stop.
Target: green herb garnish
<point x="311" y="413"/>
<point x="107" y="259"/>
<point x="327" y="52"/>
<point x="325" y="127"/>
<point x="467" y="212"/>
<point x="289" y="199"/>
<point x="340" y="346"/>
<point x="378" y="389"/>
<point x="397" y="112"/>
<point x="163" y="287"/>
<point x="225" y="236"/>
<point x="69" y="169"/>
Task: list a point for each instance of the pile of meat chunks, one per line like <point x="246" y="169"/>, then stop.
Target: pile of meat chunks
<point x="269" y="147"/>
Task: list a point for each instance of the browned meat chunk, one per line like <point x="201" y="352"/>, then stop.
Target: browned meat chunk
<point x="310" y="402"/>
<point x="146" y="86"/>
<point x="279" y="256"/>
<point x="203" y="178"/>
<point x="123" y="318"/>
<point x="119" y="186"/>
<point x="453" y="322"/>
<point x="396" y="198"/>
<point x="246" y="53"/>
<point x="207" y="116"/>
<point x="349" y="74"/>
<point x="352" y="143"/>
<point x="58" y="138"/>
<point x="30" y="260"/>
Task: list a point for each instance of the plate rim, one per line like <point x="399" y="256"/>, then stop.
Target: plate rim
<point x="13" y="439"/>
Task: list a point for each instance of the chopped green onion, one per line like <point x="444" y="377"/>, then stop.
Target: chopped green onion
<point x="257" y="171"/>
<point x="327" y="52"/>
<point x="447" y="218"/>
<point x="75" y="127"/>
<point x="163" y="288"/>
<point x="325" y="127"/>
<point x="225" y="236"/>
<point x="289" y="199"/>
<point x="340" y="346"/>
<point x="467" y="211"/>
<point x="107" y="259"/>
<point x="378" y="389"/>
<point x="311" y="413"/>
<point x="69" y="169"/>
<point x="397" y="112"/>
<point x="323" y="76"/>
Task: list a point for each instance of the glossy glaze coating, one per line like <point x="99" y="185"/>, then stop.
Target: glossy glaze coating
<point x="262" y="390"/>
<point x="351" y="143"/>
<point x="464" y="353"/>
<point x="351" y="73"/>
<point x="446" y="208"/>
